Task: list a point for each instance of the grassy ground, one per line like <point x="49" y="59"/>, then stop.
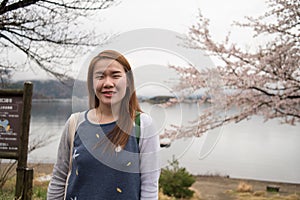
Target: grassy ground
<point x="39" y="186"/>
<point x="205" y="187"/>
<point x="39" y="190"/>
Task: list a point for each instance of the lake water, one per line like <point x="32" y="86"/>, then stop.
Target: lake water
<point x="250" y="149"/>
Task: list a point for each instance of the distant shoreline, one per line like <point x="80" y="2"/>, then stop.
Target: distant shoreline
<point x="52" y="100"/>
<point x="151" y="100"/>
<point x="46" y="168"/>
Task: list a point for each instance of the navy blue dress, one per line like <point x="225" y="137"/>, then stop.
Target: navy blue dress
<point x="100" y="172"/>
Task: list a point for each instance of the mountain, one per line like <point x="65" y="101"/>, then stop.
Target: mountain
<point x="47" y="89"/>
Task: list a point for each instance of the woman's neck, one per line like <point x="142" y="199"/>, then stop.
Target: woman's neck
<point x="107" y="113"/>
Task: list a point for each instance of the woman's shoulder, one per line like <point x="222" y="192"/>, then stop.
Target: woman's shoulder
<point x="79" y="113"/>
<point x="77" y="117"/>
<point x="146" y="118"/>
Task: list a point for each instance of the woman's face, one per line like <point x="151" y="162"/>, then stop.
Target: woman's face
<point x="109" y="80"/>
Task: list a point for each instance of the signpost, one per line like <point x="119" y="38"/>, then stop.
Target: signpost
<point x="10" y="117"/>
<point x="15" y="109"/>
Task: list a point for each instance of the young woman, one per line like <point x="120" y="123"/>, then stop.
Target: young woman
<point x="106" y="159"/>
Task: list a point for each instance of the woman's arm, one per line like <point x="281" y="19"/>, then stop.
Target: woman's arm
<point x="56" y="188"/>
<point x="149" y="158"/>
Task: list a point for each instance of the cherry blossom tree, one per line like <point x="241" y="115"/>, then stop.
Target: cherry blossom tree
<point x="264" y="81"/>
<point x="48" y="34"/>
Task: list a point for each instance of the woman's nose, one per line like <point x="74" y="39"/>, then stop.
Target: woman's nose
<point x="108" y="82"/>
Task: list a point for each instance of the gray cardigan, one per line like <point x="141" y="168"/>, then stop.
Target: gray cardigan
<point x="149" y="161"/>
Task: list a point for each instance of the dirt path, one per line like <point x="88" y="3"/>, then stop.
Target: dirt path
<point x="221" y="188"/>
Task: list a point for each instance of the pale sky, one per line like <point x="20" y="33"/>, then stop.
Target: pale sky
<point x="172" y="15"/>
<point x="178" y="15"/>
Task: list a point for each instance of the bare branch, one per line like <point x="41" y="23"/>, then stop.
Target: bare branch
<point x="49" y="32"/>
<point x="20" y="4"/>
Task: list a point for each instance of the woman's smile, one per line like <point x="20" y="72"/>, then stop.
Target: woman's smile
<point x="108" y="94"/>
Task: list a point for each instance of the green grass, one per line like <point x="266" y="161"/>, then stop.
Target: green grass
<point x="6" y="195"/>
<point x="39" y="190"/>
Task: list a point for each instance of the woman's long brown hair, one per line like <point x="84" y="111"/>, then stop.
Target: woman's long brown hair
<point x="129" y="104"/>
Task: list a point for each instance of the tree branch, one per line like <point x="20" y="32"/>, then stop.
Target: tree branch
<point x="17" y="5"/>
<point x="102" y="6"/>
<point x="33" y="57"/>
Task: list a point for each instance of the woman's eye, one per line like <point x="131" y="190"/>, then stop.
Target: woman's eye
<point x="117" y="76"/>
<point x="99" y="77"/>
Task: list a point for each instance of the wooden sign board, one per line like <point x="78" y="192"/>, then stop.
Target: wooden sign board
<point x="15" y="108"/>
<point x="11" y="105"/>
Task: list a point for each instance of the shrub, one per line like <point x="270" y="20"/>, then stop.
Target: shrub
<point x="175" y="181"/>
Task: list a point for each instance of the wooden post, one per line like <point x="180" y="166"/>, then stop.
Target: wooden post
<point x="28" y="184"/>
<point x="21" y="190"/>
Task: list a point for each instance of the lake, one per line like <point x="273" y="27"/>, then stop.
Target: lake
<point x="250" y="149"/>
